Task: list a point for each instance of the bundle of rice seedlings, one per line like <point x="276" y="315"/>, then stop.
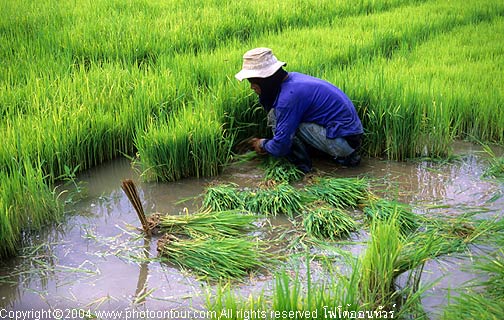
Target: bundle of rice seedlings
<point x="209" y="223"/>
<point x="280" y="170"/>
<point x="328" y="223"/>
<point x="222" y="197"/>
<point x="281" y="199"/>
<point x="215" y="258"/>
<point x="378" y="265"/>
<point x="383" y="209"/>
<point x="339" y="192"/>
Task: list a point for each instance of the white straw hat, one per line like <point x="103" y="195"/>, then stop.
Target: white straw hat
<point x="259" y="63"/>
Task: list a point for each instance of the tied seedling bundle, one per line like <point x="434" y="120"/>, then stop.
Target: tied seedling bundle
<point x="215" y="258"/>
<point x="339" y="192"/>
<point x="230" y="223"/>
<point x="281" y="199"/>
<point x="280" y="170"/>
<point x="214" y="245"/>
<point x="328" y="223"/>
<point x="383" y="209"/>
<point x="222" y="197"/>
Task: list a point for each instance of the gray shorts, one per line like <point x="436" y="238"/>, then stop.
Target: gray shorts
<point x="315" y="135"/>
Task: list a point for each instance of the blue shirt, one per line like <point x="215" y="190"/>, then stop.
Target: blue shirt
<point x="303" y="98"/>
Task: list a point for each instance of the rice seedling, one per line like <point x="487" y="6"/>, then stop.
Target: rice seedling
<point x="212" y="258"/>
<point x="328" y="223"/>
<point x="339" y="192"/>
<point x="192" y="144"/>
<point x="473" y="305"/>
<point x="378" y="263"/>
<point x="383" y="209"/>
<point x="483" y="297"/>
<point x="466" y="228"/>
<point x="495" y="167"/>
<point x="280" y="170"/>
<point x="388" y="255"/>
<point x="281" y="199"/>
<point x="231" y="223"/>
<point x="222" y="197"/>
<point x="440" y="236"/>
<point x="227" y="304"/>
<point x="492" y="267"/>
<point x="26" y="205"/>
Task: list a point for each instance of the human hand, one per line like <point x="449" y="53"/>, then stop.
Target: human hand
<point x="256" y="143"/>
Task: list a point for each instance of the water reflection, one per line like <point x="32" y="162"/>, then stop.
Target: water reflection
<point x="141" y="287"/>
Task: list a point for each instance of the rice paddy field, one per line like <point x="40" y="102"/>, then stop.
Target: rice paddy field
<point x="94" y="92"/>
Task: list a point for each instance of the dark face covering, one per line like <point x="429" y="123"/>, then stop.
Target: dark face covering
<point x="270" y="88"/>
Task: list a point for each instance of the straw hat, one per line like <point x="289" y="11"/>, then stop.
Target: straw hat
<point x="259" y="63"/>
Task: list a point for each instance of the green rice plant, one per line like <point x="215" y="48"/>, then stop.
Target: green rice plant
<point x="281" y="199"/>
<point x="483" y="297"/>
<point x="339" y="192"/>
<point x="280" y="170"/>
<point x="26" y="205"/>
<point x="466" y="228"/>
<point x="328" y="223"/>
<point x="422" y="246"/>
<point x="226" y="304"/>
<point x="293" y="297"/>
<point x="193" y="144"/>
<point x="211" y="258"/>
<point x="388" y="255"/>
<point x="473" y="305"/>
<point x="438" y="236"/>
<point x="495" y="167"/>
<point x="337" y="294"/>
<point x="383" y="209"/>
<point x="492" y="268"/>
<point x="222" y="197"/>
<point x="376" y="284"/>
<point x="230" y="223"/>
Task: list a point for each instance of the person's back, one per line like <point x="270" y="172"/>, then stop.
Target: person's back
<point x="318" y="101"/>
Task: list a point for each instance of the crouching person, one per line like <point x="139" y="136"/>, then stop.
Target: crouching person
<point x="301" y="110"/>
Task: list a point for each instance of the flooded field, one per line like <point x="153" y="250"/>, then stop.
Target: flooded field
<point x="97" y="258"/>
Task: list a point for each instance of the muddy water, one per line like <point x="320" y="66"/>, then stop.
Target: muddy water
<point x="95" y="259"/>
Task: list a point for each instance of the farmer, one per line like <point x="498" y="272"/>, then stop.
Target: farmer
<point x="301" y="109"/>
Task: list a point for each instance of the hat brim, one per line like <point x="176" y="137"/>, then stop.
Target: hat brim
<point x="260" y="73"/>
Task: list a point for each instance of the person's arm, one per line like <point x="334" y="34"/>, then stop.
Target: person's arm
<point x="288" y="119"/>
<point x="258" y="145"/>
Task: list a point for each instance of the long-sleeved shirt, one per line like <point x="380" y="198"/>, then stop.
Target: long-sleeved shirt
<point x="303" y="98"/>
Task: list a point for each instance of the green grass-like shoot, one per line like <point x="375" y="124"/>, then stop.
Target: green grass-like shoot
<point x="383" y="209"/>
<point x="328" y="223"/>
<point x="222" y="197"/>
<point x="339" y="192"/>
<point x="213" y="258"/>
<point x="280" y="170"/>
<point x="230" y="223"/>
<point x="280" y="199"/>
